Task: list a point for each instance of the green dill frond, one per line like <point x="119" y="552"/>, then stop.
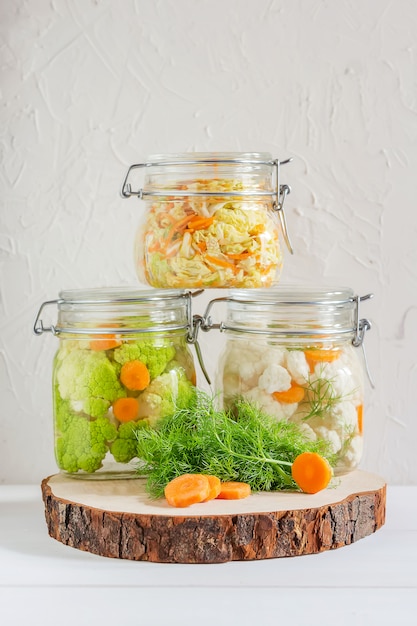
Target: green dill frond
<point x="247" y="446"/>
<point x="321" y="398"/>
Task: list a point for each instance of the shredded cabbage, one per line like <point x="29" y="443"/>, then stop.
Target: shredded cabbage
<point x="208" y="241"/>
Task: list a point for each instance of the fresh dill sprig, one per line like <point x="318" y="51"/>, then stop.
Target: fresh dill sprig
<point x="247" y="446"/>
<point x="321" y="398"/>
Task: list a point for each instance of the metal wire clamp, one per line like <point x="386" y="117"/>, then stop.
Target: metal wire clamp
<point x="278" y="194"/>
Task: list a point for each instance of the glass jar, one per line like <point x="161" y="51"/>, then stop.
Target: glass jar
<point x="123" y="361"/>
<point x="210" y="220"/>
<point x="292" y="352"/>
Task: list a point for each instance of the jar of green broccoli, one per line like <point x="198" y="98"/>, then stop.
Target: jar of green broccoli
<point x="123" y="363"/>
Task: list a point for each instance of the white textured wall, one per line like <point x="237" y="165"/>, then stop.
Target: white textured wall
<point x="89" y="87"/>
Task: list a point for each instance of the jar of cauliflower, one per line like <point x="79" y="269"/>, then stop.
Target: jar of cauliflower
<point x="293" y="353"/>
<point x="210" y="220"/>
<point x="123" y="362"/>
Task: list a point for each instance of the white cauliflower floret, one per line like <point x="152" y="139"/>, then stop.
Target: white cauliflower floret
<point x="274" y="378"/>
<point x="343" y="416"/>
<point x="352" y="363"/>
<point x="299" y="415"/>
<point x="327" y="372"/>
<point x="344" y="375"/>
<point x="249" y="370"/>
<point x="244" y="360"/>
<point x="307" y="431"/>
<point x="266" y="403"/>
<point x="272" y="355"/>
<point x="353" y="454"/>
<point x="233" y="385"/>
<point x="331" y="436"/>
<point x="297" y="366"/>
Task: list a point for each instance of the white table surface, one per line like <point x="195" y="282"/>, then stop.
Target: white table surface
<point x="372" y="582"/>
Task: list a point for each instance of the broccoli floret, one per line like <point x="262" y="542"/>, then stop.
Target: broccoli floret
<point x="84" y="444"/>
<point x="165" y="394"/>
<point x="89" y="380"/>
<point x="124" y="447"/>
<point x="155" y="354"/>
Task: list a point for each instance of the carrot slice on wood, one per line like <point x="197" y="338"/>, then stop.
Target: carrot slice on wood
<point x="294" y="394"/>
<point x="215" y="487"/>
<point x="126" y="409"/>
<point x="231" y="490"/>
<point x="135" y="375"/>
<point x="311" y="472"/>
<point x="187" y="489"/>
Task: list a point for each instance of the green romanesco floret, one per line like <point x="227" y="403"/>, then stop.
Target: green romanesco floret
<point x="124" y="447"/>
<point x="89" y="380"/>
<point x="63" y="412"/>
<point x="154" y="353"/>
<point x="166" y="393"/>
<point x="84" y="444"/>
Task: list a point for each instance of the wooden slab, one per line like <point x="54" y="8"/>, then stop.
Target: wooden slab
<point x="115" y="518"/>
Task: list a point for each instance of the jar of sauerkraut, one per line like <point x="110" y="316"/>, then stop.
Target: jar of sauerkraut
<point x="210" y="220"/>
<point x="123" y="362"/>
<point x="293" y="352"/>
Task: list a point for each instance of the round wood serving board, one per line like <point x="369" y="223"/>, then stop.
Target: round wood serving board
<point x="115" y="518"/>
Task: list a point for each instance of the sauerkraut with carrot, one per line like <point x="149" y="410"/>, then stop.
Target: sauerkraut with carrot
<point x="209" y="241"/>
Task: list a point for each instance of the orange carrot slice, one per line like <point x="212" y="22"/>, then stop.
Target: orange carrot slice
<point x="197" y="222"/>
<point x="154" y="247"/>
<point x="126" y="409"/>
<point x="318" y="355"/>
<point x="106" y="341"/>
<point x="292" y="395"/>
<point x="187" y="489"/>
<point x="202" y="246"/>
<point x="184" y="221"/>
<point x="135" y="375"/>
<point x="231" y="490"/>
<point x="311" y="472"/>
<point x="220" y="262"/>
<point x="359" y="410"/>
<point x="239" y="257"/>
<point x="178" y="227"/>
<point x="215" y="487"/>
